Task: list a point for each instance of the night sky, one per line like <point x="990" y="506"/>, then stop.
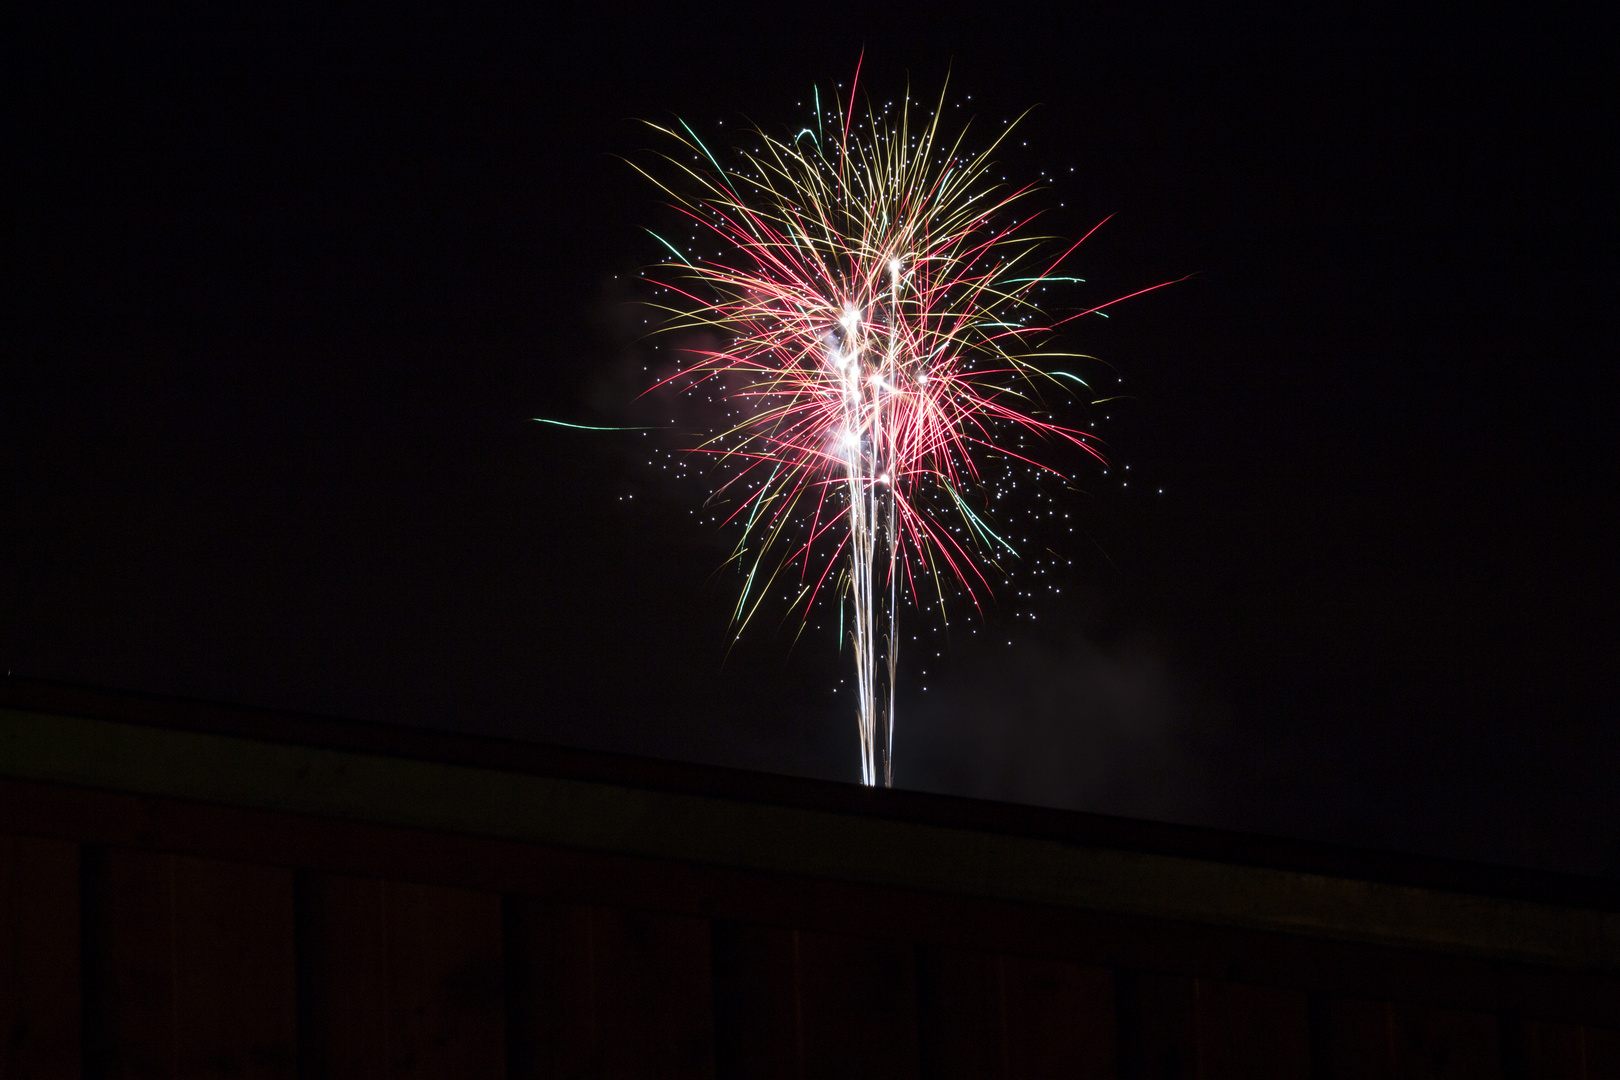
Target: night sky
<point x="285" y="289"/>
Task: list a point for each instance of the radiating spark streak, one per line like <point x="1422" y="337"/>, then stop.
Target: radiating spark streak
<point x="590" y="427"/>
<point x="875" y="297"/>
<point x="673" y="249"/>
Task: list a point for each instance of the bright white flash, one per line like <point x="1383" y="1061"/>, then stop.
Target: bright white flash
<point x="835" y="355"/>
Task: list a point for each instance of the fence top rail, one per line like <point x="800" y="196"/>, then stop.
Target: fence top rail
<point x="908" y="819"/>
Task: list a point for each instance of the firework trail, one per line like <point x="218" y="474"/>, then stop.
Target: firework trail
<point x="873" y="293"/>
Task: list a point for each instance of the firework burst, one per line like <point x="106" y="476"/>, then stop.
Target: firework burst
<point x="873" y="300"/>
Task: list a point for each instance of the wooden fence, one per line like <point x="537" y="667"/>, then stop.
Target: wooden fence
<point x="193" y="892"/>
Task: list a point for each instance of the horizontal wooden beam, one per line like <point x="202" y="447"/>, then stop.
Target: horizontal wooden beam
<point x="682" y="826"/>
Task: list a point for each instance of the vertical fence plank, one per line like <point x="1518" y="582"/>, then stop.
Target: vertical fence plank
<point x="1570" y="1052"/>
<point x="757" y="1003"/>
<point x="1184" y="1027"/>
<point x="39" y="958"/>
<point x="1360" y="1040"/>
<point x="797" y="1004"/>
<point x="1058" y="1018"/>
<point x="446" y="1009"/>
<point x="1252" y="1032"/>
<point x="234" y="969"/>
<point x="858" y="1005"/>
<point x="1601" y="1050"/>
<point x="960" y="1016"/>
<point x="342" y="978"/>
<point x="551" y="990"/>
<point x="657" y="995"/>
<point x="1445" y="1043"/>
<point x="1554" y="1051"/>
<point x="608" y="993"/>
<point x="401" y="980"/>
<point x="1375" y="1039"/>
<point x="129" y="985"/>
<point x="191" y="967"/>
<point x="1163" y="1021"/>
<point x="987" y="1015"/>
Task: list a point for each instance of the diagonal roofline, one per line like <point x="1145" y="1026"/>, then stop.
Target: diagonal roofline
<point x="1089" y="830"/>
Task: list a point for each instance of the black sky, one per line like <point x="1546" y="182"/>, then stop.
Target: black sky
<point x="285" y="286"/>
